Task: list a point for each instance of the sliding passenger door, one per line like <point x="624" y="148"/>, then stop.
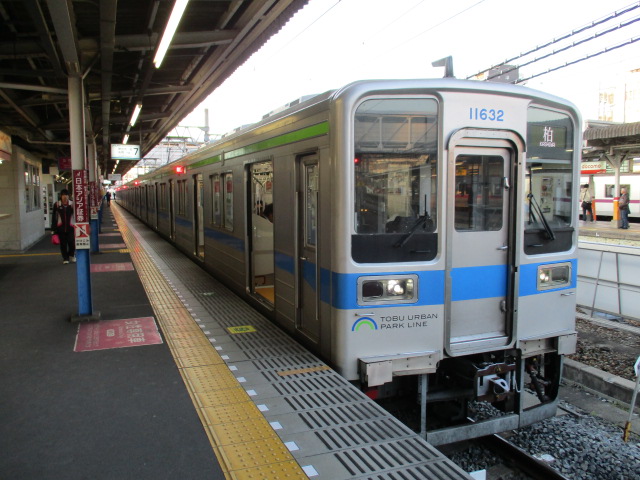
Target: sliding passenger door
<point x="479" y="276"/>
<point x="307" y="274"/>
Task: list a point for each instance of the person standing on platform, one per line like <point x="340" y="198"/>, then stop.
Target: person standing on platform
<point x="62" y="224"/>
<point x="623" y="207"/>
<point x="108" y="195"/>
<point x="585" y="199"/>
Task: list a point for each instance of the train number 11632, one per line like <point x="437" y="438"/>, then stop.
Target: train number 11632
<point x="486" y="114"/>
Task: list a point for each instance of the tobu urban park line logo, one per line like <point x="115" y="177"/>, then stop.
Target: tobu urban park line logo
<point x="367" y="322"/>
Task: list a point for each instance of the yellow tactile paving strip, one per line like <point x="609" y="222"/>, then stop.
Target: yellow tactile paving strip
<point x="246" y="446"/>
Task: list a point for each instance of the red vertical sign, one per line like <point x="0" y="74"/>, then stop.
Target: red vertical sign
<point x="81" y="208"/>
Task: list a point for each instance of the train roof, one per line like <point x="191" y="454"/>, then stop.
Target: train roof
<point x="357" y="89"/>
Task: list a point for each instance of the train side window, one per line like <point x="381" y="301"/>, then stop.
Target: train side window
<point x="227" y="180"/>
<point x="610" y="190"/>
<point x="216" y="190"/>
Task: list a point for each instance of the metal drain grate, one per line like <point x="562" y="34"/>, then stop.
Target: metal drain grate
<point x="334" y="416"/>
<point x="322" y="383"/>
<point x="364" y="433"/>
<point x="325" y="399"/>
<point x="297" y="360"/>
<point x="433" y="471"/>
<point x="387" y="456"/>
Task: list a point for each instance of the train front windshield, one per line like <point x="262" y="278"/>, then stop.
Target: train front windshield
<point x="549" y="195"/>
<point x="395" y="180"/>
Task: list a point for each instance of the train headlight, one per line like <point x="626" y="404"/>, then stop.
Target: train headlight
<point x="557" y="275"/>
<point x="384" y="290"/>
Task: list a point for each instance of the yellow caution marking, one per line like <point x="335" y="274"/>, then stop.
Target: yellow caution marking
<point x="241" y="329"/>
<point x="242" y="440"/>
<point x="211" y="398"/>
<point x="255" y="454"/>
<point x="303" y="370"/>
<point x="285" y="470"/>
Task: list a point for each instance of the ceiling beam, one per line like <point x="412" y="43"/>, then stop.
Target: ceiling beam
<point x="47" y="42"/>
<point x="64" y="23"/>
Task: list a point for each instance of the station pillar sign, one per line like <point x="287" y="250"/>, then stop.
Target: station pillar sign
<point x="81" y="208"/>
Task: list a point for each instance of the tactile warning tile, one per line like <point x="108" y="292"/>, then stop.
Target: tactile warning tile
<point x="222" y="396"/>
<point x="281" y="471"/>
<point x="207" y="378"/>
<point x="242" y="432"/>
<point x="187" y="359"/>
<point x="192" y="341"/>
<point x="236" y="412"/>
<point x="254" y="454"/>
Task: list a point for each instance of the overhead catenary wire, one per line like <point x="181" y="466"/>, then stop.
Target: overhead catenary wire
<point x="587" y="57"/>
<point x="567" y="48"/>
<point x="593" y="24"/>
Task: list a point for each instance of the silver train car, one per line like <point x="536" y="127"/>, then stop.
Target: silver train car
<point x="418" y="235"/>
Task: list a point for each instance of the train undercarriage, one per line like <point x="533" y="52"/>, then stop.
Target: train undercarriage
<point x="472" y="396"/>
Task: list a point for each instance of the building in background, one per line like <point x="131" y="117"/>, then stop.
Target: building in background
<point x="620" y="101"/>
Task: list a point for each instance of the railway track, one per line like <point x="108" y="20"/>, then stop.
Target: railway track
<point x="518" y="460"/>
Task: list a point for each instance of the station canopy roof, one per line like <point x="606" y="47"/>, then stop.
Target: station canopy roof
<point x="612" y="140"/>
<point x="111" y="44"/>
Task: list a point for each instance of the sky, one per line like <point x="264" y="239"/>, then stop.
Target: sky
<point x="331" y="43"/>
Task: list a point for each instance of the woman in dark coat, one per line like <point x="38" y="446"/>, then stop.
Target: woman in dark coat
<point x="62" y="224"/>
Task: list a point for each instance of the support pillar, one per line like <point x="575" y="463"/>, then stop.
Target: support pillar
<point x="80" y="200"/>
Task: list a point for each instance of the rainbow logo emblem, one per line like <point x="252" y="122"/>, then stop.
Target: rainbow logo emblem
<point x="366" y="322"/>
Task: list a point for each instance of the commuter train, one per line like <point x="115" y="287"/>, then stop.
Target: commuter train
<point x="418" y="235"/>
<point x="603" y="191"/>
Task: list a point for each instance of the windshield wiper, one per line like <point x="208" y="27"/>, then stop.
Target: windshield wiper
<point x="533" y="206"/>
<point x="422" y="220"/>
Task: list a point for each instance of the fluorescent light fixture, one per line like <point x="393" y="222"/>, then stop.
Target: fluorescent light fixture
<point x="125" y="139"/>
<point x="134" y="115"/>
<point x="170" y="30"/>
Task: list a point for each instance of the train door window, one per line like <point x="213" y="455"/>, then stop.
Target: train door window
<point x="549" y="195"/>
<point x="261" y="224"/>
<point x="311" y="205"/>
<point x="216" y="192"/>
<point x="198" y="214"/>
<point x="227" y="180"/>
<point x="479" y="192"/>
<point x="395" y="163"/>
<point x="163" y="197"/>
<point x="182" y="197"/>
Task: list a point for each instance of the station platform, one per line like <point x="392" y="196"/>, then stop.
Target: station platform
<point x="179" y="379"/>
<point x="609" y="230"/>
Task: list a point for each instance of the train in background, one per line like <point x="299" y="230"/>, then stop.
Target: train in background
<point x="418" y="235"/>
<point x="602" y="188"/>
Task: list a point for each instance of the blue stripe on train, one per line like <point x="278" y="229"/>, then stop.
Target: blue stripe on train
<point x="468" y="283"/>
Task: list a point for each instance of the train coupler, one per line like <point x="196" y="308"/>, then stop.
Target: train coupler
<point x="494" y="382"/>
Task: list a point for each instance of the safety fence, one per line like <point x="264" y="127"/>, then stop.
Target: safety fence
<point x="609" y="279"/>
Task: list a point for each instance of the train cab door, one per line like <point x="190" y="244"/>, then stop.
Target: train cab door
<point x="307" y="273"/>
<point x="198" y="215"/>
<point x="261" y="262"/>
<point x="479" y="265"/>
